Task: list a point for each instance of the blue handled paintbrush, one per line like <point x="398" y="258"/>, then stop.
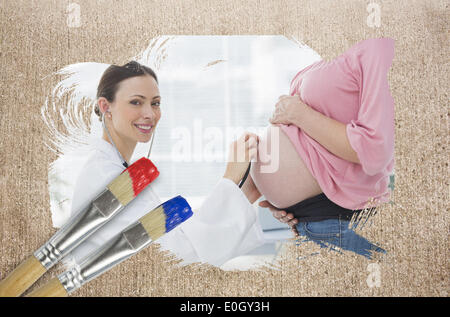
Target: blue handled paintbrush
<point x="136" y="237"/>
<point x="121" y="191"/>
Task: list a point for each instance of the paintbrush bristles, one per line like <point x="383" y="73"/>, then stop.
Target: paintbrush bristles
<point x="133" y="180"/>
<point x="155" y="223"/>
<point x="166" y="216"/>
<point x="122" y="188"/>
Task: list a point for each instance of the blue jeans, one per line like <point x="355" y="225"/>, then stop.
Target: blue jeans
<point x="333" y="233"/>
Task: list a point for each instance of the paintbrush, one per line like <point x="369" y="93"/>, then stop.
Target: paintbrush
<point x="121" y="191"/>
<point x="130" y="241"/>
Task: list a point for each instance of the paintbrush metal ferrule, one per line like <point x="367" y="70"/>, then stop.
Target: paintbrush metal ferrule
<point x="121" y="247"/>
<point x="78" y="228"/>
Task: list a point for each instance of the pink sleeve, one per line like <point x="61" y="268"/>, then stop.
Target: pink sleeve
<point x="371" y="135"/>
<point x="297" y="80"/>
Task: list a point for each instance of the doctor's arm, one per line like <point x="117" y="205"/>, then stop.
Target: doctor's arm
<point x="226" y="225"/>
<point x="250" y="191"/>
<point x="241" y="152"/>
<point x="235" y="170"/>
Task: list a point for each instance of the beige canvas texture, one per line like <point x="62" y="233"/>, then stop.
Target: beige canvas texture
<point x="37" y="39"/>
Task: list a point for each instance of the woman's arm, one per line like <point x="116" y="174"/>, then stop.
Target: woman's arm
<point x="330" y="133"/>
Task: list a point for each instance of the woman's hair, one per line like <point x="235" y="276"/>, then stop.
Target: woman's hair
<point x="112" y="77"/>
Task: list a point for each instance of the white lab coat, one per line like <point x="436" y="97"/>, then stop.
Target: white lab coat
<point x="225" y="226"/>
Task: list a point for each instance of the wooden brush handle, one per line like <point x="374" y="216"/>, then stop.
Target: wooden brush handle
<point x="19" y="280"/>
<point x="53" y="288"/>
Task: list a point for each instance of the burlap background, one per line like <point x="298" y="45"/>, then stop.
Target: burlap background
<point x="36" y="40"/>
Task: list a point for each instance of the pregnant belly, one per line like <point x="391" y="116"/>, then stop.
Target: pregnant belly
<point x="280" y="173"/>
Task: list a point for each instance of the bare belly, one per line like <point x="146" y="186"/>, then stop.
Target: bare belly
<point x="280" y="173"/>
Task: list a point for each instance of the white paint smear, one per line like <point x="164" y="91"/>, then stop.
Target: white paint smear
<point x="223" y="81"/>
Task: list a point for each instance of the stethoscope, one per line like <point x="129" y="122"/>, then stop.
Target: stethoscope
<point x="125" y="164"/>
<point x="150" y="149"/>
<point x="245" y="175"/>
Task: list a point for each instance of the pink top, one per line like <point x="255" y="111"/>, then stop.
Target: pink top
<point x="353" y="89"/>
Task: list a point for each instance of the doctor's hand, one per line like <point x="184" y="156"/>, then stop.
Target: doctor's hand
<point x="242" y="151"/>
<point x="281" y="215"/>
<point x="288" y="110"/>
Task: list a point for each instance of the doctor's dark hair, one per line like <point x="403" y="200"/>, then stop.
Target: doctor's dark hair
<point x="113" y="75"/>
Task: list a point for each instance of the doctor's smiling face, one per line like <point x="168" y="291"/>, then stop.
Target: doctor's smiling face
<point x="136" y="108"/>
<point x="131" y="108"/>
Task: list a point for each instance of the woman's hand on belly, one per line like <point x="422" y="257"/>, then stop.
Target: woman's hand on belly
<point x="288" y="110"/>
<point x="330" y="133"/>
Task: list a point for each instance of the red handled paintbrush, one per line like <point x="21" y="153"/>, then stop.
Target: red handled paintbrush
<point x="129" y="242"/>
<point x="121" y="191"/>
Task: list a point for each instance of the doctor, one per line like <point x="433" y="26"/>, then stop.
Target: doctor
<point x="225" y="226"/>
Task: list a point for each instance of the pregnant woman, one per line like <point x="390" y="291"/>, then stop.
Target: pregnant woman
<point x="336" y="148"/>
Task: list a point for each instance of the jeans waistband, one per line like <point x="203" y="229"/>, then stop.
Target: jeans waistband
<point x="319" y="208"/>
